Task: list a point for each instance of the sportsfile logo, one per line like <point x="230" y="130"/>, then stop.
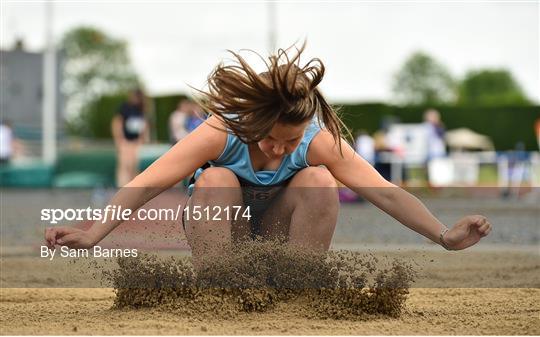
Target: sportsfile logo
<point x="109" y="213"/>
<point x="118" y="213"/>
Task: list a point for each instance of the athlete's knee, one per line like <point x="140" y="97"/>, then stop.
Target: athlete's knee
<point x="217" y="177"/>
<point x="317" y="177"/>
<point x="314" y="186"/>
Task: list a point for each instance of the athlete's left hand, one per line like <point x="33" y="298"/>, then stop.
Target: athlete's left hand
<point x="467" y="232"/>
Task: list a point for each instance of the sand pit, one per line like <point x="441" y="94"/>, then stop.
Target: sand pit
<point x="504" y="310"/>
<point x="428" y="311"/>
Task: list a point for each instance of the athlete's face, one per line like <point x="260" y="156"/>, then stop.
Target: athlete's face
<point x="282" y="140"/>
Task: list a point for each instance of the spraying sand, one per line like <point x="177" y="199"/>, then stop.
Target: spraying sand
<point x="256" y="276"/>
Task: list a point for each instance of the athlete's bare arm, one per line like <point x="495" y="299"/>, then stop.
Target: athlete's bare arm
<point x="203" y="144"/>
<point x="357" y="174"/>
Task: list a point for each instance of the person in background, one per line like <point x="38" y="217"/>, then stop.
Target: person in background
<point x="186" y="118"/>
<point x="129" y="130"/>
<point x="435" y="134"/>
<point x="178" y="121"/>
<point x="6" y="142"/>
<point x="382" y="145"/>
<point x="365" y="146"/>
<point x="195" y="116"/>
<point x="10" y="146"/>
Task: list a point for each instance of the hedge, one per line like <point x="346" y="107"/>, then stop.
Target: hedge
<point x="506" y="126"/>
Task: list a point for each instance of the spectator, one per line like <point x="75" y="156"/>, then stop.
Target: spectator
<point x="195" y="116"/>
<point x="178" y="121"/>
<point x="129" y="129"/>
<point x="436" y="146"/>
<point x="365" y="146"/>
<point x="383" y="146"/>
<point x="6" y="142"/>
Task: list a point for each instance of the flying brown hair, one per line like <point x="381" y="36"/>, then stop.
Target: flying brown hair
<point x="250" y="103"/>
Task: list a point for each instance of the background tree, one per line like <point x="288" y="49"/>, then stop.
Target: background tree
<point x="423" y="81"/>
<point x="491" y="87"/>
<point x="95" y="65"/>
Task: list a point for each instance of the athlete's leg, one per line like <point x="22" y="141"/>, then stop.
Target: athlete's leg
<point x="306" y="213"/>
<point x="216" y="188"/>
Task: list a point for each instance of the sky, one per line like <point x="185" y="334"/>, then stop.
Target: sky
<point x="174" y="44"/>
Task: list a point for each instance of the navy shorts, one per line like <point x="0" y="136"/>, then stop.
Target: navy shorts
<point x="258" y="198"/>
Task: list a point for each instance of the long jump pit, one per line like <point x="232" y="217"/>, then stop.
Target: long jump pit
<point x="379" y="278"/>
<point x="268" y="289"/>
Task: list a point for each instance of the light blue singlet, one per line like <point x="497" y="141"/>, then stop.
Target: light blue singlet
<point x="235" y="157"/>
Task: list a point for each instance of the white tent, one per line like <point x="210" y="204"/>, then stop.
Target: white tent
<point x="466" y="139"/>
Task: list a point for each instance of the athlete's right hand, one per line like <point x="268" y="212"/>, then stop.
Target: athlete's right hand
<point x="69" y="236"/>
